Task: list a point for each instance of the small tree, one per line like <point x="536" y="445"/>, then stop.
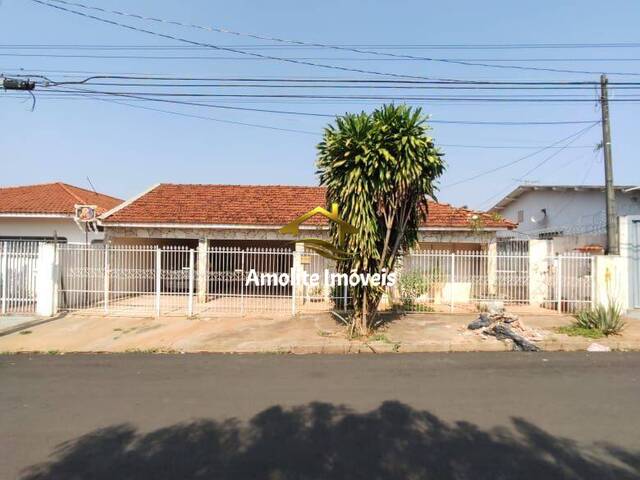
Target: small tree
<point x="379" y="168"/>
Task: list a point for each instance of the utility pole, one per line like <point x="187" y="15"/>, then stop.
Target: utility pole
<point x="613" y="247"/>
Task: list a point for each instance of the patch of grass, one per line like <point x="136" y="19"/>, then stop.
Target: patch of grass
<point x="380" y="337"/>
<point x="323" y="333"/>
<point x="25" y="332"/>
<point x="54" y="352"/>
<point x="578" y="331"/>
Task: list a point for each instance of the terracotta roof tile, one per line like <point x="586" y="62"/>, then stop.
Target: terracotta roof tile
<point x="258" y="205"/>
<point x="52" y="198"/>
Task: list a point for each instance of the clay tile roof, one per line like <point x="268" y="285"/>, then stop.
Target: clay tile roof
<point x="52" y="198"/>
<point x="262" y="205"/>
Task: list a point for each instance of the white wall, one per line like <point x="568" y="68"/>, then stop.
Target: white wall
<point x="630" y="251"/>
<point x="567" y="208"/>
<point x="45" y="227"/>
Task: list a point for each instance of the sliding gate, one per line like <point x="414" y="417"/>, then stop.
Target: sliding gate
<point x="153" y="281"/>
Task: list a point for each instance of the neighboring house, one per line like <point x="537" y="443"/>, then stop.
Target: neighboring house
<point x="45" y="211"/>
<point x="572" y="215"/>
<point x="251" y="215"/>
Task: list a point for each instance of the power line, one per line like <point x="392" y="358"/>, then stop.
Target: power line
<point x="216" y="47"/>
<point x="545" y="160"/>
<point x="289" y="41"/>
<point x="327" y="85"/>
<point x="315" y="58"/>
<point x="521" y="159"/>
<point x="489" y="46"/>
<point x="531" y="98"/>
<point x="202" y="117"/>
<point x="85" y="94"/>
<point x="321" y="80"/>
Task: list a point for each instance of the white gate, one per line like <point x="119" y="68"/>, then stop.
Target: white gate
<point x="228" y="289"/>
<point x="153" y="281"/>
<point x="18" y="276"/>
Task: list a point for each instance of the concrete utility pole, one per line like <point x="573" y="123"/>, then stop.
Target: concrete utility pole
<point x="613" y="247"/>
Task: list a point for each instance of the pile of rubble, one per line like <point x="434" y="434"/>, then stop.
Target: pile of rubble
<point x="507" y="327"/>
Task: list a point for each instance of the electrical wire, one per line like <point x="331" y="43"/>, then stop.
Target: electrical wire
<point x="216" y="47"/>
<point x="487" y="46"/>
<point x="296" y="42"/>
<point x="530" y="98"/>
<point x="522" y="159"/>
<point x="544" y="161"/>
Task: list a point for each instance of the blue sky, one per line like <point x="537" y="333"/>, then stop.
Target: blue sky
<point x="124" y="150"/>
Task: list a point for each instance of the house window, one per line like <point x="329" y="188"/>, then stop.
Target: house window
<point x="520" y="216"/>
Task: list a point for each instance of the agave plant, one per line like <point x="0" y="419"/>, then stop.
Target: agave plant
<point x="606" y="319"/>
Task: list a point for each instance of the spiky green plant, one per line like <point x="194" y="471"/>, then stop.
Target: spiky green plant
<point x="380" y="169"/>
<point x="606" y="319"/>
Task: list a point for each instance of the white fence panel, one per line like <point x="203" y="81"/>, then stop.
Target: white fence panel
<point x="325" y="295"/>
<point x="18" y="276"/>
<point x="465" y="280"/>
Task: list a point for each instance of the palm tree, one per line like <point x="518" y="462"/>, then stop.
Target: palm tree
<point x="379" y="168"/>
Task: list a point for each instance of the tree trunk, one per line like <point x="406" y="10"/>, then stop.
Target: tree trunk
<point x="364" y="320"/>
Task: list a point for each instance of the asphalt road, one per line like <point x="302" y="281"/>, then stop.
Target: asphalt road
<point x="463" y="416"/>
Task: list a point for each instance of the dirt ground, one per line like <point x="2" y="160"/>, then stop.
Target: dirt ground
<point x="308" y="333"/>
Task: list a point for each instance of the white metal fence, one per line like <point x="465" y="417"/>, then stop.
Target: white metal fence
<point x="149" y="280"/>
<point x="18" y="276"/>
<point x="431" y="279"/>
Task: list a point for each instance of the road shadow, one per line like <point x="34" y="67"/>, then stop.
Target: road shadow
<point x="325" y="441"/>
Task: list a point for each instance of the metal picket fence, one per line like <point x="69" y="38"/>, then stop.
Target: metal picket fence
<point x="463" y="280"/>
<point x="156" y="281"/>
<point x="18" y="261"/>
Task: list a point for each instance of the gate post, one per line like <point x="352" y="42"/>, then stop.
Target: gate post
<point x="345" y="296"/>
<point x="452" y="280"/>
<point x="4" y="277"/>
<point x="158" y="272"/>
<point x="297" y="288"/>
<point x="559" y="283"/>
<point x="191" y="267"/>
<point x="106" y="278"/>
<point x="46" y="281"/>
<point x="242" y="282"/>
<point x="203" y="269"/>
<point x="492" y="267"/>
<point x="538" y="271"/>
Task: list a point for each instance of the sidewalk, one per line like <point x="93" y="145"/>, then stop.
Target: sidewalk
<point x="313" y="333"/>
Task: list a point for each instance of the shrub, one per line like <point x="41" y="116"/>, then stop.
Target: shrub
<point x="412" y="285"/>
<point x="605" y="319"/>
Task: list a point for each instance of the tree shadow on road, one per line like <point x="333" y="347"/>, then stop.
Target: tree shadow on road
<point x="324" y="441"/>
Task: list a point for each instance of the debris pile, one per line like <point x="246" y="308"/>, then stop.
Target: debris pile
<point x="508" y="327"/>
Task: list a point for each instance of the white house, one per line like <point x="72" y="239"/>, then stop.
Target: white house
<point x="45" y="211"/>
<point x="572" y="215"/>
